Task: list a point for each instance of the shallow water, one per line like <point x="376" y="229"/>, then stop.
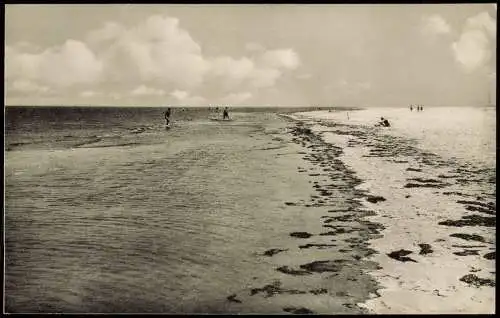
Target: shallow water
<point x="159" y="226"/>
<point x="160" y="221"/>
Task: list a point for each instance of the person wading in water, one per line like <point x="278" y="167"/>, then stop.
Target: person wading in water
<point x="225" y="114"/>
<point x="167" y="117"/>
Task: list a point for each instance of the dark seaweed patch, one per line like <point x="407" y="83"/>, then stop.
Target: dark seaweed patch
<point x="425" y="249"/>
<point x="233" y="299"/>
<point x="273" y="289"/>
<point x="490" y="256"/>
<point x="319" y="246"/>
<point x="375" y="199"/>
<point x="273" y="251"/>
<point x="467" y="252"/>
<point x="401" y="256"/>
<point x="323" y="266"/>
<point x="469" y="237"/>
<point x="425" y="185"/>
<point x="298" y="310"/>
<point x="472" y="279"/>
<point x="290" y="271"/>
<point x="471" y="220"/>
<point x="301" y="234"/>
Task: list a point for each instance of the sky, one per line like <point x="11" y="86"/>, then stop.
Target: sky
<point x="250" y="55"/>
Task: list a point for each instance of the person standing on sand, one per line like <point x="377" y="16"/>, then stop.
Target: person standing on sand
<point x="225" y="114"/>
<point x="411" y="108"/>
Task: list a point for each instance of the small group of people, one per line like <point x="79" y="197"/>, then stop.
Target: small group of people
<point x="418" y="107"/>
<point x="167" y="113"/>
<point x="225" y="112"/>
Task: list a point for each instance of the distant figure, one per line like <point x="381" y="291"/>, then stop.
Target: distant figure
<point x="421" y="108"/>
<point x="167" y="117"/>
<point x="225" y="113"/>
<point x="411" y="108"/>
<point x="384" y="122"/>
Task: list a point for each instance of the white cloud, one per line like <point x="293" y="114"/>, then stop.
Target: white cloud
<point x="88" y="94"/>
<point x="143" y="90"/>
<point x="286" y="58"/>
<point x="156" y="51"/>
<point x="26" y="86"/>
<point x="60" y="66"/>
<point x="260" y="73"/>
<point x="482" y="21"/>
<point x="184" y="98"/>
<point x="252" y="46"/>
<point x="476" y="43"/>
<point x="435" y="24"/>
<point x="180" y="95"/>
<point x="261" y="78"/>
<point x="109" y="32"/>
<point x="231" y="68"/>
<point x="236" y="98"/>
<point x="27" y="47"/>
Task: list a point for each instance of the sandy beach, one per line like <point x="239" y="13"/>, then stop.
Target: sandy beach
<point x="436" y="250"/>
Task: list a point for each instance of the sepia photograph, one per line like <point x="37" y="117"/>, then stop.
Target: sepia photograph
<point x="250" y="158"/>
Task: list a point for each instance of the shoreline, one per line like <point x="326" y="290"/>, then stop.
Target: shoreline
<point x="428" y="265"/>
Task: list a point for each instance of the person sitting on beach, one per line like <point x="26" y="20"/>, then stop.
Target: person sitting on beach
<point x="384" y="122"/>
<point x="225" y="113"/>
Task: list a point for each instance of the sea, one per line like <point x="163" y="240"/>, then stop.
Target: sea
<point x="108" y="211"/>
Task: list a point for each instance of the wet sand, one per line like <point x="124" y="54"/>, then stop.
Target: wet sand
<point x="322" y="266"/>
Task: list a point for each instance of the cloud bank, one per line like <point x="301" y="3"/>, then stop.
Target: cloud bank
<point x="138" y="59"/>
<point x="473" y="48"/>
